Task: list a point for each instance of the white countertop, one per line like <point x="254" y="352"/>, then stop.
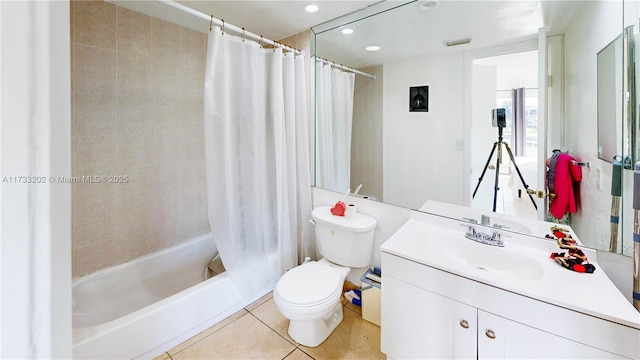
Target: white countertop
<point x="435" y="241"/>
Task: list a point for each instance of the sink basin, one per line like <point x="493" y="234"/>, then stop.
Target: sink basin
<point x="499" y="261"/>
<point x="449" y="247"/>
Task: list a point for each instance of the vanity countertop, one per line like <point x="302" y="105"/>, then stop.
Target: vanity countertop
<point x="527" y="269"/>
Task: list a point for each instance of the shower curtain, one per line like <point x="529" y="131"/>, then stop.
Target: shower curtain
<point x="257" y="160"/>
<point x="334" y="117"/>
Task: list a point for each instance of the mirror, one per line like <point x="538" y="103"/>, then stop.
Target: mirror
<point x="407" y="158"/>
<point x="609" y="64"/>
<point x="613" y="120"/>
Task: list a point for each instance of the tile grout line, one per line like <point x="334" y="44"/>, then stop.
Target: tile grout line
<point x="304" y="352"/>
<point x="297" y="346"/>
<point x="347" y="307"/>
<point x="291" y="352"/>
<point x="255" y="306"/>
<point x="272" y="329"/>
<point x="207" y="335"/>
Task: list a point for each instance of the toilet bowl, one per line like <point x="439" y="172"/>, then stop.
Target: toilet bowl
<point x="309" y="294"/>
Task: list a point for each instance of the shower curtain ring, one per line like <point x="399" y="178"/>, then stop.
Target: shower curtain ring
<point x="260" y="40"/>
<point x="222" y="26"/>
<point x="242" y="34"/>
<point x="211" y="23"/>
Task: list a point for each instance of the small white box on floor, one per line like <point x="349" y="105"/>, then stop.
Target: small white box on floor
<point x="370" y="299"/>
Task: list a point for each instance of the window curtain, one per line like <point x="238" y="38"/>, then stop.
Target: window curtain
<point x="519" y="137"/>
<point x="257" y="160"/>
<point x="334" y="118"/>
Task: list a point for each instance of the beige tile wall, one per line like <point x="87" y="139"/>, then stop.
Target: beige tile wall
<point x="137" y="86"/>
<point x="366" y="135"/>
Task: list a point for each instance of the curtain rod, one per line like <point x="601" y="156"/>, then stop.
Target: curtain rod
<point x="339" y="66"/>
<point x="227" y="26"/>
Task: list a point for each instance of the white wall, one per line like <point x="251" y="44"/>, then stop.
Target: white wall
<point x="36" y="217"/>
<point x="600" y="22"/>
<point x="420" y="158"/>
<point x="484" y="135"/>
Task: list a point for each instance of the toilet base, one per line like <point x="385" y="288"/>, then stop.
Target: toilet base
<point x="312" y="333"/>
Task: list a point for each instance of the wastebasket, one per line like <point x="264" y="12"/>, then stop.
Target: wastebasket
<point x="371" y="295"/>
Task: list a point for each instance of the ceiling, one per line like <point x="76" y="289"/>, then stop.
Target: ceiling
<point x="415" y="30"/>
<point x="412" y="28"/>
<point x="274" y="20"/>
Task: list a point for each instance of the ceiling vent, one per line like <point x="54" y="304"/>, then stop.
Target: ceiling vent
<point x="457" y="42"/>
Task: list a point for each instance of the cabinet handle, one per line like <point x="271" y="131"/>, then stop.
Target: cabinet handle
<point x="464" y="324"/>
<point x="490" y="334"/>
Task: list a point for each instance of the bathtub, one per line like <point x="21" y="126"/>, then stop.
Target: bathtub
<point x="147" y="306"/>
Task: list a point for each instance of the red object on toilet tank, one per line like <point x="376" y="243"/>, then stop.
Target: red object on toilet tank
<point x="338" y="209"/>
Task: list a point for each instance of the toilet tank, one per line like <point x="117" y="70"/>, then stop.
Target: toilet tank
<point x="344" y="241"/>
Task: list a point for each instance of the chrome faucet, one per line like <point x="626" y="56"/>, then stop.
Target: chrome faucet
<point x="485" y="220"/>
<point x="493" y="239"/>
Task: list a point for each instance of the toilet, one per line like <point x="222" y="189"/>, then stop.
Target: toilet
<point x="309" y="295"/>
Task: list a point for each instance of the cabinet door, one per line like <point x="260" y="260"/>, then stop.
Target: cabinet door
<point x="500" y="338"/>
<point x="419" y="324"/>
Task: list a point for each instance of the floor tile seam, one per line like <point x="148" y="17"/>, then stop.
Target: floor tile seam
<point x="256" y="305"/>
<point x="347" y="307"/>
<point x="222" y="327"/>
<point x="304" y="352"/>
<point x="272" y="329"/>
<point x="291" y="352"/>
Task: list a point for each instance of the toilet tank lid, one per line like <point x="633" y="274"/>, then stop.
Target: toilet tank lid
<point x="361" y="222"/>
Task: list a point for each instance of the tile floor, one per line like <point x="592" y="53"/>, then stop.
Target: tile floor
<point x="507" y="200"/>
<point x="259" y="331"/>
<point x="511" y="204"/>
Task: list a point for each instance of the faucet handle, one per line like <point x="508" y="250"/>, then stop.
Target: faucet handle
<point x="485" y="220"/>
<point x="473" y="221"/>
<point x="496" y="238"/>
<point x="471" y="230"/>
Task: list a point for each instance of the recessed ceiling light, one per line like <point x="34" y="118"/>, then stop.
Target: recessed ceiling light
<point x="347" y="31"/>
<point x="372" y="48"/>
<point x="311" y="8"/>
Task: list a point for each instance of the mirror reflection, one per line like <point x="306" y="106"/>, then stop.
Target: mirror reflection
<point x="609" y="114"/>
<point x="475" y="57"/>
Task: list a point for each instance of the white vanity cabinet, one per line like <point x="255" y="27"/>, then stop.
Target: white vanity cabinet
<point x="430" y="313"/>
<point x="419" y="324"/>
<point x="500" y="338"/>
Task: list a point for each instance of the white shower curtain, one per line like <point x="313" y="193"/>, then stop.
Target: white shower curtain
<point x="257" y="160"/>
<point x="334" y="118"/>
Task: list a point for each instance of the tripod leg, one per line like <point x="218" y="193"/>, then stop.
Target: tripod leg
<point x="497" y="179"/>
<point x="485" y="169"/>
<point x="513" y="160"/>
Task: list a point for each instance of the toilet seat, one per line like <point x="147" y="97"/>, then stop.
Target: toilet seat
<point x="309" y="285"/>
